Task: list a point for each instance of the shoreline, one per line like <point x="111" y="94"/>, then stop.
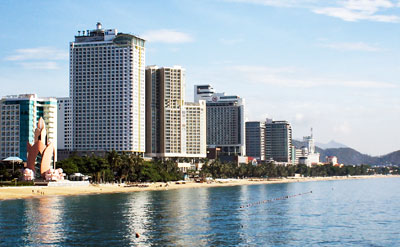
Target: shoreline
<point x="25" y="192"/>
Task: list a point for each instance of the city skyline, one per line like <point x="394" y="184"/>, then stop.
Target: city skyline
<point x="332" y="67"/>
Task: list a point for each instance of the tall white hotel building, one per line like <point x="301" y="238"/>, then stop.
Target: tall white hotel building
<point x="107" y="89"/>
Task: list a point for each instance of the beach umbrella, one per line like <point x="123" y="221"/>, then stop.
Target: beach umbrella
<point x="13" y="160"/>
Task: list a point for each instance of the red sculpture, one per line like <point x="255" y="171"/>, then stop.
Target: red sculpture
<point x="47" y="151"/>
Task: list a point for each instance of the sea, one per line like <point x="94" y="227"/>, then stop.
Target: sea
<point x="359" y="212"/>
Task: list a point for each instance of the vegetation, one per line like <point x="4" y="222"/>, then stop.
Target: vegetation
<point x="229" y="170"/>
<point x="7" y="173"/>
<point x="121" y="167"/>
<point x="127" y="167"/>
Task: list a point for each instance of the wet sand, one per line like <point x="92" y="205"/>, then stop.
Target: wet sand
<point x="21" y="192"/>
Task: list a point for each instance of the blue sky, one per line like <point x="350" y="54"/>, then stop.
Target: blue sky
<point x="331" y="65"/>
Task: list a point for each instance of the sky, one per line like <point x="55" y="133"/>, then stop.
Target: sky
<point x="330" y="65"/>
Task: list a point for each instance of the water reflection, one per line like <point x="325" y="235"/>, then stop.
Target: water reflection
<point x="224" y="220"/>
<point x="339" y="213"/>
<point x="43" y="220"/>
<point x="137" y="218"/>
<point x="191" y="205"/>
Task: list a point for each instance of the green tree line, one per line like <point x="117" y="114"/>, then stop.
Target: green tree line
<point x="217" y="169"/>
<point x="127" y="167"/>
<point x="121" y="167"/>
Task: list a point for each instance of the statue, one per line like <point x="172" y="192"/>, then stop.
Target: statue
<point x="45" y="149"/>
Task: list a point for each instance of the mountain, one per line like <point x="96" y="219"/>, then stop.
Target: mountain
<point x="349" y="156"/>
<point x="390" y="159"/>
<point x="331" y="144"/>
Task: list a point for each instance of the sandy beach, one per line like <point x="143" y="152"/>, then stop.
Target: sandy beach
<point x="22" y="192"/>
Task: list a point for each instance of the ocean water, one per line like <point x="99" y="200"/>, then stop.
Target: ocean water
<point x="337" y="213"/>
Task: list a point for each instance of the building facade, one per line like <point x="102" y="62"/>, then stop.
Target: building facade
<point x="64" y="128"/>
<point x="278" y="141"/>
<point x="176" y="128"/>
<point x="255" y="139"/>
<point x="19" y="116"/>
<point x="196" y="136"/>
<point x="107" y="89"/>
<point x="309" y="156"/>
<point x="64" y="123"/>
<point x="225" y="120"/>
<point x="203" y="92"/>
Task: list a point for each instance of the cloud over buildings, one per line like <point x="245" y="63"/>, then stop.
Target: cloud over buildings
<point x="46" y="58"/>
<point x="352" y="46"/>
<point x="167" y="36"/>
<point x="347" y="10"/>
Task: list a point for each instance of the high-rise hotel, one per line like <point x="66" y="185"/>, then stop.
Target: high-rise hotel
<point x="278" y="141"/>
<point x="107" y="89"/>
<point x="225" y="120"/>
<point x="255" y="139"/>
<point x="175" y="128"/>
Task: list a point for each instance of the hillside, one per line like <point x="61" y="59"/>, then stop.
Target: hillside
<point x="349" y="156"/>
<point x="390" y="159"/>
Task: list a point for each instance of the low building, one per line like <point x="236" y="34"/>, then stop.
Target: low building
<point x="331" y="160"/>
<point x="309" y="156"/>
<point x="19" y="115"/>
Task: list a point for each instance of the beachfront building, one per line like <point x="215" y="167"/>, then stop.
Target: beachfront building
<point x="309" y="156"/>
<point x="331" y="160"/>
<point x="255" y="139"/>
<point x="225" y="120"/>
<point x="107" y="89"/>
<point x="64" y="127"/>
<point x="175" y="128"/>
<point x="196" y="136"/>
<point x="278" y="141"/>
<point x="298" y="152"/>
<point x="19" y="116"/>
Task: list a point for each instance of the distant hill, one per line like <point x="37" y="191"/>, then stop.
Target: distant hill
<point x="390" y="159"/>
<point x="331" y="144"/>
<point x="349" y="156"/>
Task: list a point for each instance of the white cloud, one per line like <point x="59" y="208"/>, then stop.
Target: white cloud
<point x="355" y="10"/>
<point x="352" y="16"/>
<point x="39" y="53"/>
<point x="299" y="117"/>
<point x="347" y="10"/>
<point x="40" y="65"/>
<point x="277" y="3"/>
<point x="38" y="58"/>
<point x="167" y="36"/>
<point x="342" y="128"/>
<point x="352" y="46"/>
<point x="290" y="77"/>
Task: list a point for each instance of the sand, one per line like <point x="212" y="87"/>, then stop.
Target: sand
<point x="21" y="192"/>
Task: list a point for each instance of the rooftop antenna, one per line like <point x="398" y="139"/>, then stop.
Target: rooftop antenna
<point x="83" y="32"/>
<point x="79" y="33"/>
<point x="311" y="132"/>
